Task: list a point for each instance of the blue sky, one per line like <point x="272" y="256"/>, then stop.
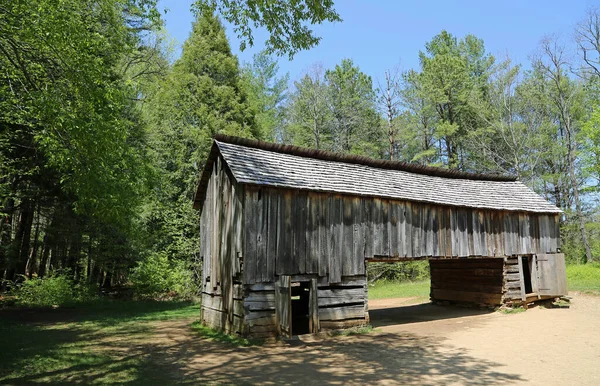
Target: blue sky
<point x="379" y="35"/>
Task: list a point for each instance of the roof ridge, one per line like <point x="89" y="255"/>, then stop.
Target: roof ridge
<point x="361" y="160"/>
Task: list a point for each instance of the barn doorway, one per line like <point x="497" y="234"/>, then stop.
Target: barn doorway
<point x="296" y="306"/>
<point x="300" y="304"/>
<point x="527" y="262"/>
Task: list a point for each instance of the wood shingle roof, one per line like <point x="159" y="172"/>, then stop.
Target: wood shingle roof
<point x="259" y="163"/>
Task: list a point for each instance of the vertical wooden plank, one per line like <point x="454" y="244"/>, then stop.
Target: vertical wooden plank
<point x="476" y="233"/>
<point x="393" y="228"/>
<point x="454" y="231"/>
<point x="470" y="233"/>
<point x="401" y="229"/>
<point x="377" y="220"/>
<point x="358" y="255"/>
<point x="284" y="255"/>
<point x="336" y="216"/>
<point x="250" y="217"/>
<point x="324" y="234"/>
<point x="448" y="231"/>
<point x="441" y="231"/>
<point x="417" y="228"/>
<point x="522" y="277"/>
<point x="408" y="252"/>
<point x="507" y="224"/>
<point x="435" y="230"/>
<point x="299" y="232"/>
<point x="314" y="307"/>
<point x="482" y="233"/>
<point x="272" y="204"/>
<point x="385" y="228"/>
<point x="347" y="255"/>
<point x="261" y="236"/>
<point x="313" y="238"/>
<point x="368" y="225"/>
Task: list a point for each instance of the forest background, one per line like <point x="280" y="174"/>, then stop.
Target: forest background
<point x="103" y="134"/>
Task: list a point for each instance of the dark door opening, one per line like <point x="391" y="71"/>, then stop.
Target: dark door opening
<point x="300" y="308"/>
<point x="525" y="260"/>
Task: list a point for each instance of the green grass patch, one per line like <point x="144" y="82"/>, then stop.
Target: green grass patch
<point x="360" y="330"/>
<point x="218" y="336"/>
<point x="584" y="278"/>
<point x="512" y="310"/>
<point x="384" y="289"/>
<point x="97" y="343"/>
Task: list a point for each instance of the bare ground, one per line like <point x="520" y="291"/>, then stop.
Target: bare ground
<point x="416" y="344"/>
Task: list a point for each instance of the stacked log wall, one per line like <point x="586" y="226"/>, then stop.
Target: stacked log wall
<point x="478" y="281"/>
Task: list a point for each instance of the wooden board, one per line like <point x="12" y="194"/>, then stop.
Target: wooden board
<point x="283" y="307"/>
<point x="551" y="274"/>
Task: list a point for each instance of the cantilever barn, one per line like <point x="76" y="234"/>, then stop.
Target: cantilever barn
<point x="286" y="234"/>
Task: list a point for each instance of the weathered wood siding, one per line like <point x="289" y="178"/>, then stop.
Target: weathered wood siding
<point x="298" y="232"/>
<point x="221" y="235"/>
<point x="468" y="280"/>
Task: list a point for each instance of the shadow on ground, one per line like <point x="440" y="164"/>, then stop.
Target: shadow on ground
<point x="170" y="353"/>
<point x="425" y="312"/>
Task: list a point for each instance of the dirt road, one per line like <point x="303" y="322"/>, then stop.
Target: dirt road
<point x="416" y="344"/>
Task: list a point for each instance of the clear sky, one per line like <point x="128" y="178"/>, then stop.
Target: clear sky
<point x="379" y="34"/>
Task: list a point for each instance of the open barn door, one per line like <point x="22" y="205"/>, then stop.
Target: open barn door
<point x="551" y="274"/>
<point x="283" y="306"/>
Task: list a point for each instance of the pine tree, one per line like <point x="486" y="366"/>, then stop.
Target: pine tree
<point x="201" y="97"/>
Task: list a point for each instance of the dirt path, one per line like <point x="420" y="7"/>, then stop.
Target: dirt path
<point x="416" y="344"/>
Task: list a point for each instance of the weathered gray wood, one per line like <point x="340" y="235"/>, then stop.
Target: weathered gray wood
<point x="312" y="234"/>
<point x="273" y="217"/>
<point x="283" y="310"/>
<point x="521" y="279"/>
<point x="385" y="227"/>
<point x="336" y="233"/>
<point x="251" y="225"/>
<point x="324" y="235"/>
<point x="314" y="307"/>
<point x="341" y="313"/>
<point x="262" y="218"/>
<point x="348" y="237"/>
<point x="299" y="233"/>
<point x="358" y="239"/>
<point x="340" y="296"/>
<point x="551" y="274"/>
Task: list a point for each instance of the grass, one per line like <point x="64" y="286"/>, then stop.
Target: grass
<point x="97" y="343"/>
<point x="360" y="330"/>
<point x="384" y="289"/>
<point x="513" y="310"/>
<point x="221" y="337"/>
<point x="584" y="278"/>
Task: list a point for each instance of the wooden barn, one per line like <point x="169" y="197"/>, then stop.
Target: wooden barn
<point x="286" y="234"/>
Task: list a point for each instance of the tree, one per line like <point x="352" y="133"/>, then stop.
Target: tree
<point x="267" y="94"/>
<point x="566" y="97"/>
<point x="308" y="115"/>
<point x="287" y="21"/>
<point x="202" y="96"/>
<point x="389" y="100"/>
<point x="454" y="76"/>
<point x="355" y="124"/>
<point x="70" y="140"/>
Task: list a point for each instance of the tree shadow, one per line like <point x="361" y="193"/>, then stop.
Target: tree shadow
<point x="173" y="354"/>
<point x="417" y="313"/>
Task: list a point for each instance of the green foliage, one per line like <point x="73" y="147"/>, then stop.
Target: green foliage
<point x="218" y="336"/>
<point x="584" y="278"/>
<point x="266" y="94"/>
<point x="156" y="276"/>
<point x="512" y="310"/>
<point x="360" y="330"/>
<point x="385" y="289"/>
<point x="335" y="111"/>
<point x="57" y="289"/>
<point x="287" y="21"/>
<point x="405" y="271"/>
